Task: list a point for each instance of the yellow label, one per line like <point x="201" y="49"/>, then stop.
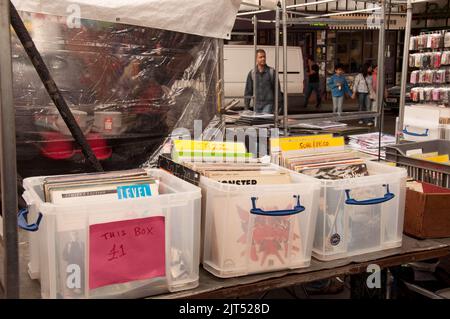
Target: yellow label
<point x="276" y="142"/>
<point x="390" y="163"/>
<point x="438" y="159"/>
<point x="424" y="155"/>
<point x="209" y="146"/>
<point x="311" y="143"/>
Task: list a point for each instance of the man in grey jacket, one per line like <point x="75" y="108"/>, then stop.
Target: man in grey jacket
<point x="265" y="86"/>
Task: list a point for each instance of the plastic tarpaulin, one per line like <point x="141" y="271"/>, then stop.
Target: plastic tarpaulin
<point x="128" y="87"/>
<point x="208" y="18"/>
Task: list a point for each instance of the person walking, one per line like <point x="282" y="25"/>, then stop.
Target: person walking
<point x="265" y="86"/>
<point x="363" y="88"/>
<point x="313" y="83"/>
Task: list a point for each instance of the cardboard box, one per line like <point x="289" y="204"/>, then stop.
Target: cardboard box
<point x="427" y="215"/>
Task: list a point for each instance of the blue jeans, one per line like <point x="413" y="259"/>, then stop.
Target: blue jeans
<point x="312" y="87"/>
<point x="338" y="101"/>
<point x="264" y="108"/>
<point x="365" y="104"/>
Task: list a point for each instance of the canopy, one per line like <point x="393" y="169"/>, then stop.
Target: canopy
<point x="209" y="18"/>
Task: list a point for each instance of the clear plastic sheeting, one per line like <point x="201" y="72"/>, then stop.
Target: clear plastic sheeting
<point x="128" y="88"/>
<point x="209" y="18"/>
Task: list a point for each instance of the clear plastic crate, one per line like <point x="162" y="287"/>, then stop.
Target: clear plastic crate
<point x="361" y="215"/>
<point x="177" y="205"/>
<point x="260" y="228"/>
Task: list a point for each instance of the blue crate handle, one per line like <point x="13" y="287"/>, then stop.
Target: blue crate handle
<point x="405" y="131"/>
<point x="387" y="197"/>
<point x="286" y="212"/>
<point x="22" y="221"/>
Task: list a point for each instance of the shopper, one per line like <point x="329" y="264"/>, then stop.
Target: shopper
<point x="265" y="86"/>
<point x="313" y="82"/>
<point x="374" y="78"/>
<point x="363" y="87"/>
<point x="339" y="86"/>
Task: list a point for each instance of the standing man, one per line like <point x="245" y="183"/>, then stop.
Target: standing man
<point x="313" y="82"/>
<point x="265" y="86"/>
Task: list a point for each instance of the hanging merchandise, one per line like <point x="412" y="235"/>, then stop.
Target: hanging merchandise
<point x="426" y="61"/>
<point x="439" y="76"/>
<point x="436" y="94"/>
<point x="418" y="60"/>
<point x="429" y="41"/>
<point x="447" y="40"/>
<point x="436" y="59"/>
<point x="435" y="41"/>
<point x="445" y="59"/>
<point x="412" y="43"/>
<point x="428" y="91"/>
<point x="414" y="77"/>
<point x="432" y="75"/>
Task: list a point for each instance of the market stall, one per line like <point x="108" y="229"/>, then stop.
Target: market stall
<point x="270" y="213"/>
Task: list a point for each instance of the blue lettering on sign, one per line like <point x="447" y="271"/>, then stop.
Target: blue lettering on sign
<point x="133" y="191"/>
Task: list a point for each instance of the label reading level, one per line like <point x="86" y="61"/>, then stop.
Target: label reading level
<point x="134" y="191"/>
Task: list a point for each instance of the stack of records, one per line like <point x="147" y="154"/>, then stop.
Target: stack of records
<point x="120" y="185"/>
<point x="319" y="124"/>
<point x="255" y="173"/>
<point x="369" y="143"/>
<point x="327" y="165"/>
<point x="253" y="118"/>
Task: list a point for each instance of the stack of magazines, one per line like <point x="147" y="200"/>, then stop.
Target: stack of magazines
<point x="369" y="143"/>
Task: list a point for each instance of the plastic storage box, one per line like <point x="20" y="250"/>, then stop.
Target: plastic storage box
<point x="422" y="133"/>
<point x="361" y="215"/>
<point x="420" y="128"/>
<point x="419" y="169"/>
<point x="80" y="251"/>
<point x="259" y="228"/>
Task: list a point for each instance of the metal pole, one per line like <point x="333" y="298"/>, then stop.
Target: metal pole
<point x="277" y="62"/>
<point x="285" y="115"/>
<point x="381" y="58"/>
<point x="255" y="46"/>
<point x="8" y="159"/>
<point x="404" y="70"/>
<point x="221" y="84"/>
<point x="381" y="117"/>
<point x="52" y="88"/>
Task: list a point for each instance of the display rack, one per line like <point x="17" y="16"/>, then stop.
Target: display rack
<point x="404" y="80"/>
<point x="306" y="18"/>
<point x="430" y="68"/>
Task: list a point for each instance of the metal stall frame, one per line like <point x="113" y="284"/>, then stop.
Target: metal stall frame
<point x="9" y="271"/>
<point x="401" y="115"/>
<point x="307" y="19"/>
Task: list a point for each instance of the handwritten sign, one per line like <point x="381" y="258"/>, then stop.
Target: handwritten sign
<point x="276" y="144"/>
<point x="211" y="146"/>
<point x="311" y="143"/>
<point x="125" y="251"/>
